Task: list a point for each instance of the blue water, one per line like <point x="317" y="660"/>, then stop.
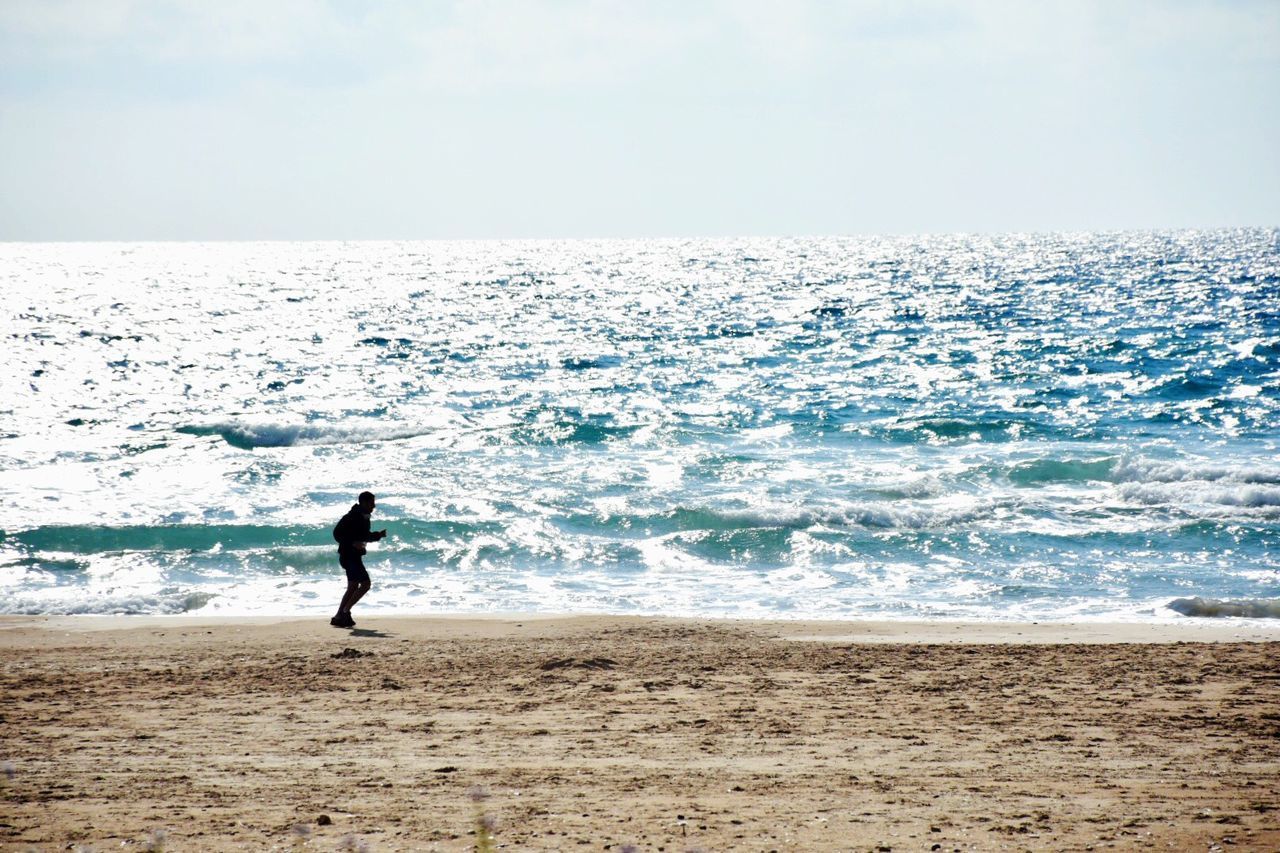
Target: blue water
<point x="1015" y="427"/>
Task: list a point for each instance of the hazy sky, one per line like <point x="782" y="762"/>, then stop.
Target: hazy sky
<point x="294" y="119"/>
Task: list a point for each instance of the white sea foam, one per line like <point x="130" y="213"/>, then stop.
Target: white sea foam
<point x="1141" y="470"/>
<point x="76" y="602"/>
<point x="1215" y="496"/>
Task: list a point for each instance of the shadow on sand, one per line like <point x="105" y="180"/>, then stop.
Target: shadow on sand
<point x="370" y="632"/>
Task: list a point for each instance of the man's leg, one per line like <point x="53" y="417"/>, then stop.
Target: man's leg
<point x="356" y="592"/>
<point x="357" y="586"/>
<point x="358" y="577"/>
<point x="351" y="596"/>
<point x="354" y="568"/>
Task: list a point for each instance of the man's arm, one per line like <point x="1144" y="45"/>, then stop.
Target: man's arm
<point x="367" y="535"/>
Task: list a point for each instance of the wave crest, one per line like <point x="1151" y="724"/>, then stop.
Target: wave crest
<point x="64" y="602"/>
<point x="1120" y="469"/>
<point x="1260" y="608"/>
<point x="250" y="436"/>
<point x="1149" y="471"/>
<point x="1240" y="495"/>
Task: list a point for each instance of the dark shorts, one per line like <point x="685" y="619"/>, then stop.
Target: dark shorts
<point x="354" y="566"/>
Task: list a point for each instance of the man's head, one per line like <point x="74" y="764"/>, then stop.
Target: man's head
<point x="366" y="501"/>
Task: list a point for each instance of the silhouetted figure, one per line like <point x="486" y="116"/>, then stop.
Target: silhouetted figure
<point x="352" y="532"/>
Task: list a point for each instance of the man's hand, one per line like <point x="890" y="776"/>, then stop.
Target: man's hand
<point x="382" y="534"/>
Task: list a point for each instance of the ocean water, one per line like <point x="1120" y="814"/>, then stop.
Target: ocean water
<point x="1073" y="426"/>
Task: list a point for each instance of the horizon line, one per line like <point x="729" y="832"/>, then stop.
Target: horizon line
<point x="653" y="238"/>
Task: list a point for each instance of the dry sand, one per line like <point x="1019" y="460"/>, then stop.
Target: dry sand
<point x="598" y="732"/>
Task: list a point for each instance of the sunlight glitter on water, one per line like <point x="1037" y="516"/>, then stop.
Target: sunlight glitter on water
<point x="1021" y="426"/>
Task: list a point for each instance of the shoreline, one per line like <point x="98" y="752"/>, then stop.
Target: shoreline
<point x="906" y="631"/>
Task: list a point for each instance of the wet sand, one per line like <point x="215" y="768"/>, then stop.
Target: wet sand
<point x="598" y="732"/>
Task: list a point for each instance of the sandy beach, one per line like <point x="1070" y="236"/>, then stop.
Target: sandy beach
<point x="667" y="734"/>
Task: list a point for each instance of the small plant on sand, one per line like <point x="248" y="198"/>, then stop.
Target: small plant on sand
<point x="485" y="823"/>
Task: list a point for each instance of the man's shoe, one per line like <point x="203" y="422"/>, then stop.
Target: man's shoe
<point x="343" y="621"/>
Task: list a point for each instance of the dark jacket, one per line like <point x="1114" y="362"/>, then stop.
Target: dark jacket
<point x="352" y="531"/>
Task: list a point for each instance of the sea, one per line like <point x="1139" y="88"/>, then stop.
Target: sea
<point x="1026" y="427"/>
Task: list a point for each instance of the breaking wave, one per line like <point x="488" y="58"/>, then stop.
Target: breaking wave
<point x="1119" y="469"/>
<point x="97" y="539"/>
<point x="1262" y="499"/>
<point x="1210" y="607"/>
<point x="1151" y="471"/>
<point x="168" y="602"/>
<point x="250" y="436"/>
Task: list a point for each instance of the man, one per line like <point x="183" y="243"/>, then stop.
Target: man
<point x="352" y="532"/>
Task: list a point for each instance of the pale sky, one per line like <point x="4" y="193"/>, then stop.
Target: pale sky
<point x="302" y="119"/>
